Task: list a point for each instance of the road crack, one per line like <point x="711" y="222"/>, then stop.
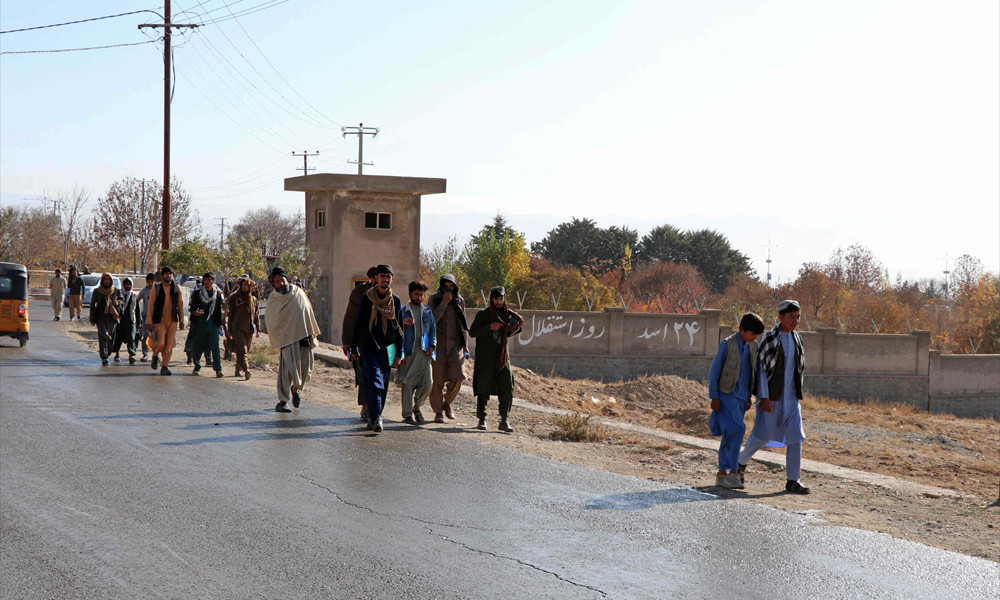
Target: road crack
<point x="428" y="526"/>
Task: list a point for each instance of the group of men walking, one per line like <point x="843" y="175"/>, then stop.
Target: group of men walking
<point x="428" y="344"/>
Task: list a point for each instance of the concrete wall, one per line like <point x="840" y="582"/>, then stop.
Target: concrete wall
<point x="614" y="345"/>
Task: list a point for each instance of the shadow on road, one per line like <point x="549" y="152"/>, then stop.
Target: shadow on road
<point x="187" y="415"/>
<point x="643" y="500"/>
<point x="276" y="424"/>
<point x="266" y="437"/>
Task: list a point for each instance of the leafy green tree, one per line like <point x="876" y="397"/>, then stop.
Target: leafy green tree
<point x="718" y="262"/>
<point x="664" y="243"/>
<point x="581" y="243"/>
<point x="441" y="259"/>
<point x="490" y="259"/>
<point x="193" y="256"/>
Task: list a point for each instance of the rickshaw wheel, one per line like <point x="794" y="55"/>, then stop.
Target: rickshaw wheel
<point x="22" y="342"/>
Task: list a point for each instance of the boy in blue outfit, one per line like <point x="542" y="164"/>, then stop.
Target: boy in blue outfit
<point x="730" y="383"/>
<point x="419" y="341"/>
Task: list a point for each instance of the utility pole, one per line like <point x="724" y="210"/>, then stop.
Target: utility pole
<point x="361" y="131"/>
<point x="305" y="161"/>
<point x="222" y="231"/>
<point x="167" y="52"/>
<point x="946" y="273"/>
<point x="769" y="246"/>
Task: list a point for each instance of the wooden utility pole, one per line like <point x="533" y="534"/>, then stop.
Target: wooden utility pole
<point x="167" y="51"/>
<point x="361" y="131"/>
<point x="305" y="161"/>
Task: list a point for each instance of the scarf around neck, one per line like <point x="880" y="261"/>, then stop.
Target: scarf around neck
<point x="108" y="293"/>
<point x="208" y="300"/>
<point x="382" y="308"/>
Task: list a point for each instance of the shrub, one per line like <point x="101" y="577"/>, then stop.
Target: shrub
<point x="577" y="427"/>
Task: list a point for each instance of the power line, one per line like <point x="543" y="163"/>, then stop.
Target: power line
<point x="76" y="49"/>
<point x="310" y="120"/>
<point x="275" y="69"/>
<point x="134" y="12"/>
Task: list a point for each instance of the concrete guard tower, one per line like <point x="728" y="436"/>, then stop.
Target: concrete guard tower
<point x="354" y="222"/>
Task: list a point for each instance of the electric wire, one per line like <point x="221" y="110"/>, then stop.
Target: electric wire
<point x="125" y="14"/>
<point x="75" y="49"/>
<point x="307" y="118"/>
<point x="275" y="69"/>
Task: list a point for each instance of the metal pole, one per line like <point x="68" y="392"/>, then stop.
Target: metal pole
<point x="361" y="142"/>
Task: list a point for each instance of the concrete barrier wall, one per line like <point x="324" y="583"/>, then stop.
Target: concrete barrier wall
<point x="614" y="345"/>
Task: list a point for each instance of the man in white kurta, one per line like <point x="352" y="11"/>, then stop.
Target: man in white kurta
<point x="778" y="421"/>
<point x="292" y="329"/>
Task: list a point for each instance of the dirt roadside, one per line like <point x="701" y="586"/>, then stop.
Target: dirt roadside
<point x="937" y="450"/>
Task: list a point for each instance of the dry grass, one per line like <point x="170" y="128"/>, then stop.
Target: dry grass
<point x="262" y="356"/>
<point x="577" y="427"/>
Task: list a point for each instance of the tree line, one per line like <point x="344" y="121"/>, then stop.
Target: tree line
<point x="581" y="266"/>
<point x="120" y="231"/>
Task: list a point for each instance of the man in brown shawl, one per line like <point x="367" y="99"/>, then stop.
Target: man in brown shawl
<point x="105" y="310"/>
<point x="165" y="317"/>
<point x="244" y="322"/>
<point x="453" y="346"/>
<point x="492" y="375"/>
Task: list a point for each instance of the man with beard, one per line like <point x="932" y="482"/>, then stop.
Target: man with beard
<point x="292" y="329"/>
<point x="492" y="375"/>
<point x="244" y="322"/>
<point x="347" y="333"/>
<point x="128" y="326"/>
<point x="206" y="324"/>
<point x="105" y="310"/>
<point x="453" y="346"/>
<point x="375" y="341"/>
<point x="165" y="317"/>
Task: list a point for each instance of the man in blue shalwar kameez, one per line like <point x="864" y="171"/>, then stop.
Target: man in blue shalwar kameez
<point x="779" y="415"/>
<point x="730" y="383"/>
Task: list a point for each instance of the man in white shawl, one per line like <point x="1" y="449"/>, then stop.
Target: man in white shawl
<point x="419" y="341"/>
<point x="292" y="329"/>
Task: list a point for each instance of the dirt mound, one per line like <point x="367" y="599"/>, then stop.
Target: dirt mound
<point x="660" y="393"/>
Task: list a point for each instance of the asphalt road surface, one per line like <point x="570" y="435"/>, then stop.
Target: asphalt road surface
<point x="118" y="483"/>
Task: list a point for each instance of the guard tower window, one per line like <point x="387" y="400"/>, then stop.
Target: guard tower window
<point x="320" y="219"/>
<point x="378" y="220"/>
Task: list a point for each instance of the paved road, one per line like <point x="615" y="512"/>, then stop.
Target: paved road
<point x="117" y="483"/>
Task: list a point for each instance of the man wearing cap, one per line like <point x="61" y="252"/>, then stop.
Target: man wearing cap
<point x="375" y="341"/>
<point x="492" y="375"/>
<point x="453" y="346"/>
<point x="778" y="421"/>
<point x="165" y="317"/>
<point x="347" y="333"/>
<point x="292" y="329"/>
<point x="56" y="287"/>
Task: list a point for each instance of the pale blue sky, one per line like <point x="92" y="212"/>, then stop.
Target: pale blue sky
<point x="814" y="124"/>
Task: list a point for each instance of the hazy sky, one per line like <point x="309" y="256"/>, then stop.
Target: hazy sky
<point x="816" y="125"/>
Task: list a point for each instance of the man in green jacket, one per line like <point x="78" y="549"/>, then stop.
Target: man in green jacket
<point x="492" y="375"/>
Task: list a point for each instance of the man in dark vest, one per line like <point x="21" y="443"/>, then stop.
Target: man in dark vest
<point x="165" y="317"/>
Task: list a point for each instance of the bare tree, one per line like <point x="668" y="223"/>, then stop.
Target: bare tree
<point x="29" y="235"/>
<point x="71" y="211"/>
<point x="129" y="215"/>
<point x="276" y="234"/>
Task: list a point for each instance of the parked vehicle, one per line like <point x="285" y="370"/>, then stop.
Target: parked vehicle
<point x="90" y="281"/>
<point x="14" y="302"/>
